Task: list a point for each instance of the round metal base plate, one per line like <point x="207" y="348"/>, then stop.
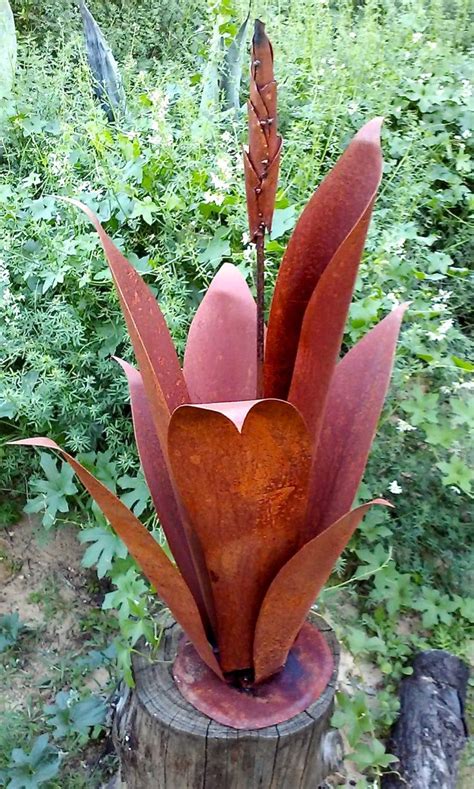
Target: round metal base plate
<point x="304" y="678"/>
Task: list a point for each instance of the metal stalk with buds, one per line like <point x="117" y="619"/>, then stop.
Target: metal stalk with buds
<point x="253" y="461"/>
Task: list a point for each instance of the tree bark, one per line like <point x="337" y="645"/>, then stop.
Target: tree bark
<point x="431" y="731"/>
<point x="162" y="741"/>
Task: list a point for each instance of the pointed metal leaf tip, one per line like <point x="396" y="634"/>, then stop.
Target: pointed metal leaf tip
<point x="370" y="131"/>
<point x="258" y="32"/>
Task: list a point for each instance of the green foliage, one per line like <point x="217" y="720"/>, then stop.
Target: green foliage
<point x="104" y="547"/>
<point x="10" y="630"/>
<point x="9" y="48"/>
<point x="72" y="716"/>
<point x="28" y="770"/>
<point x="52" y="491"/>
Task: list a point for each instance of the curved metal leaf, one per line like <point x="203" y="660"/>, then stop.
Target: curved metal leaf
<point x="151" y="340"/>
<point x="356" y="396"/>
<point x="337" y="205"/>
<point x="151" y="558"/>
<point x="242" y="474"/>
<point x="184" y="546"/>
<point x="294" y="590"/>
<point x="220" y="362"/>
<point x="323" y="328"/>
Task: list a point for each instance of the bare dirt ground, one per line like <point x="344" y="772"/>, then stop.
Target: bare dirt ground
<point x="41" y="578"/>
<point x="43" y="582"/>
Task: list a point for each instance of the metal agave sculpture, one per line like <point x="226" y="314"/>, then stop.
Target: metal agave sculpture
<point x="254" y="491"/>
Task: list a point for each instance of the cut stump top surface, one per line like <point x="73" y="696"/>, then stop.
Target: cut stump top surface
<point x="158" y="694"/>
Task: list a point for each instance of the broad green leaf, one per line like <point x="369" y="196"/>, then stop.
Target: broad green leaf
<point x="137" y="497"/>
<point x="463" y="364"/>
<point x="10" y="629"/>
<point x="217" y="248"/>
<point x="456" y="472"/>
<point x="284" y="219"/>
<point x="105" y="546"/>
<point x="71" y="716"/>
<point x="33" y="769"/>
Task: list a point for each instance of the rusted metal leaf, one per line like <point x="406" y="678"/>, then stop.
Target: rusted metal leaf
<point x="323" y="328"/>
<point x="220" y="362"/>
<point x="306" y="674"/>
<point x="242" y="474"/>
<point x="261" y="159"/>
<point x="151" y="558"/>
<point x="294" y="590"/>
<point x="151" y="340"/>
<point x="356" y="396"/>
<point x="335" y="208"/>
<point x="182" y="541"/>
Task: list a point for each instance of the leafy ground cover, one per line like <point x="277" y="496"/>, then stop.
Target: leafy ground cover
<point x="168" y="182"/>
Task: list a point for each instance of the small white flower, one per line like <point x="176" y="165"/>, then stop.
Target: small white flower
<point x="431" y="44"/>
<point x="443" y="329"/>
<point x="226" y="137"/>
<point x="352" y="107"/>
<point x="466" y="134"/>
<point x="213" y="197"/>
<point x="443" y="295"/>
<point x="404" y="427"/>
<point x="248" y="254"/>
<point x="391" y="297"/>
<point x="446" y="326"/>
<point x="395" y="488"/>
<point x="245" y="237"/>
<point x="464" y="385"/>
<point x="218" y="182"/>
<point x="417" y="37"/>
<point x="31" y="180"/>
<point x="225" y="166"/>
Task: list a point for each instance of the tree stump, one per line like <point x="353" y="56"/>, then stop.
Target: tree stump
<point x="162" y="741"/>
<point x="430" y="732"/>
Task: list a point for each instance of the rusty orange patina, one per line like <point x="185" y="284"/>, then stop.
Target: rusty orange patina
<point x="251" y="470"/>
<point x="337" y="207"/>
<point x="262" y="157"/>
<point x="254" y="494"/>
<point x="308" y="669"/>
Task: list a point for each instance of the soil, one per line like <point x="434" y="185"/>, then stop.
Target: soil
<point x="41" y="578"/>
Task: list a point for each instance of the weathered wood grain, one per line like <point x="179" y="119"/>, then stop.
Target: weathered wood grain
<point x="430" y="732"/>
